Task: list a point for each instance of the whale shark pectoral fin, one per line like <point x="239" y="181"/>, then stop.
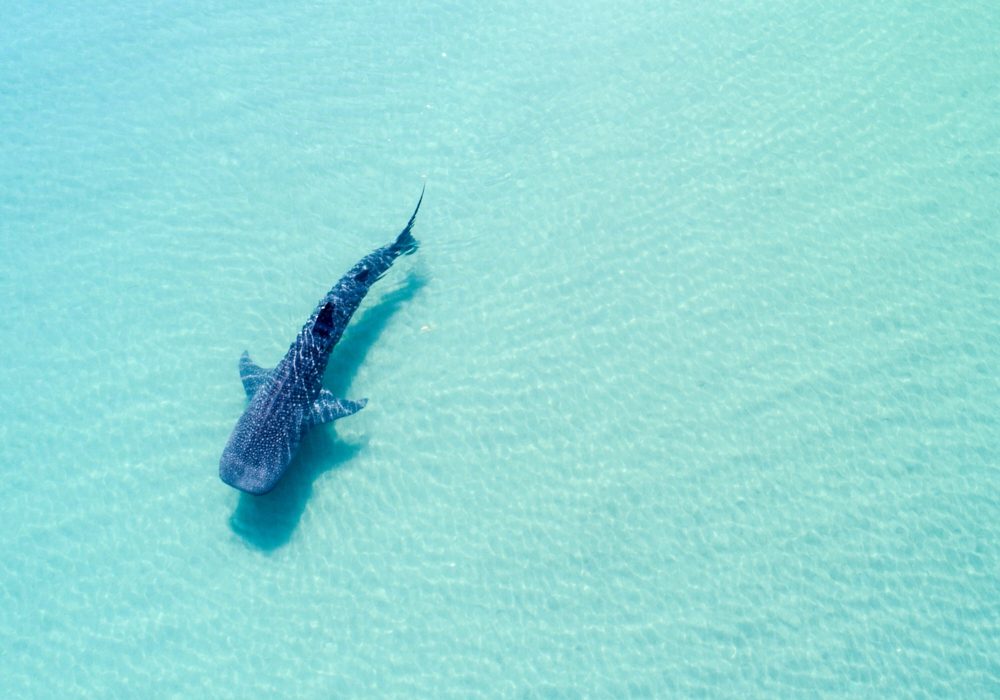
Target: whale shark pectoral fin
<point x="329" y="408"/>
<point x="251" y="374"/>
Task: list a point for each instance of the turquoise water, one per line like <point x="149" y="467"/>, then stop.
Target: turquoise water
<point x="691" y="390"/>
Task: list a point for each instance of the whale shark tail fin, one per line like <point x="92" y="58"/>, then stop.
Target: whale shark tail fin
<point x="405" y="243"/>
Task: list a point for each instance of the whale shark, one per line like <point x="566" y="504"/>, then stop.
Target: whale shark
<point x="289" y="399"/>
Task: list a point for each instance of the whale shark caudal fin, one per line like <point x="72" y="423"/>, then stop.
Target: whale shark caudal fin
<point x="251" y="375"/>
<point x="405" y="243"/>
<point x="329" y="408"/>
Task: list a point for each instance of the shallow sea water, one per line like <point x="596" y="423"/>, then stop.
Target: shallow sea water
<point x="690" y="391"/>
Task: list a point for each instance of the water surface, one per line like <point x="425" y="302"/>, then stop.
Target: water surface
<point x="690" y="391"/>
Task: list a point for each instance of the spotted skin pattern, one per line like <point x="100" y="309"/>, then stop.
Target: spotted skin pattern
<point x="288" y="400"/>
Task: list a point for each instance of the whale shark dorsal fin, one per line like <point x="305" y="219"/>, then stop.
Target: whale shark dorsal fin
<point x="323" y="325"/>
<point x="251" y="374"/>
<point x="329" y="408"/>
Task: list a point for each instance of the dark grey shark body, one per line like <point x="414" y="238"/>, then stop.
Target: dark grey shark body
<point x="288" y="400"/>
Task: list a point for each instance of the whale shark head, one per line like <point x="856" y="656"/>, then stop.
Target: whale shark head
<point x="260" y="447"/>
<point x="244" y="475"/>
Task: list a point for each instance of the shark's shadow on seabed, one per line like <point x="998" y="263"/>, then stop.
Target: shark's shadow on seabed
<point x="268" y="521"/>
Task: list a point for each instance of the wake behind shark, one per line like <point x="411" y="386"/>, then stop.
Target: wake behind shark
<point x="289" y="399"/>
